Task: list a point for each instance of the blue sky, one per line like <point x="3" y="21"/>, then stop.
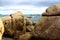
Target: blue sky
<point x="25" y="6"/>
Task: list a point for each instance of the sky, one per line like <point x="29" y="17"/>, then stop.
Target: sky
<point x="25" y="6"/>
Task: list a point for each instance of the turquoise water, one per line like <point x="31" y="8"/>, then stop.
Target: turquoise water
<point x="2" y="15"/>
<point x="34" y="17"/>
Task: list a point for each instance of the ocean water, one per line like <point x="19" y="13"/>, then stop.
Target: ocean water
<point x="35" y="17"/>
<point x="2" y="15"/>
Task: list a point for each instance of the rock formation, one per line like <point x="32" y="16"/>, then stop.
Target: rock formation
<point x="1" y="29"/>
<point x="14" y="24"/>
<point x="25" y="36"/>
<point x="48" y="26"/>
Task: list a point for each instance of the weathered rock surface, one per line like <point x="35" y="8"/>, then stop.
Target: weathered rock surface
<point x="52" y="10"/>
<point x="25" y="36"/>
<point x="48" y="26"/>
<point x="30" y="28"/>
<point x="17" y="20"/>
<point x="7" y="25"/>
<point x="13" y="23"/>
<point x="7" y="21"/>
<point x="1" y="29"/>
<point x="7" y="38"/>
<point x="28" y="21"/>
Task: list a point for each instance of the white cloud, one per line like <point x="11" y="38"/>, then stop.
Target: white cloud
<point x="15" y="1"/>
<point x="47" y="0"/>
<point x="26" y="9"/>
<point x="28" y="2"/>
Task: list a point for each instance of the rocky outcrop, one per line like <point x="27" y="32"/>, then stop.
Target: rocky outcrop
<point x="7" y="25"/>
<point x="13" y="24"/>
<point x="1" y="29"/>
<point x="17" y="20"/>
<point x="48" y="26"/>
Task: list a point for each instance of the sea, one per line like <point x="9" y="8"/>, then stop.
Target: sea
<point x="33" y="17"/>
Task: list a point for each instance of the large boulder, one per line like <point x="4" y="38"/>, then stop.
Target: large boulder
<point x="48" y="26"/>
<point x="7" y="21"/>
<point x="17" y="20"/>
<point x="13" y="23"/>
<point x="1" y="29"/>
<point x="7" y="25"/>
